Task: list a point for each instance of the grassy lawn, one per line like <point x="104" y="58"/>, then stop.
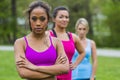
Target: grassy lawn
<point x="7" y="66"/>
<point x="108" y="67"/>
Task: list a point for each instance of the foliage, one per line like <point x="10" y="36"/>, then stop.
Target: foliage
<point x="5" y="21"/>
<point x="112" y="21"/>
<point x="77" y="9"/>
<point x="108" y="28"/>
<point x="102" y="15"/>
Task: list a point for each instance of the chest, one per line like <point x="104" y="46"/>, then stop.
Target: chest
<point x="46" y="57"/>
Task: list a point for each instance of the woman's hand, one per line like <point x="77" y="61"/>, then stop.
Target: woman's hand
<point x="61" y="60"/>
<point x="72" y="66"/>
<point x="92" y="78"/>
<point x="24" y="63"/>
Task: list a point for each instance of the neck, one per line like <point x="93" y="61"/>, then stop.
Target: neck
<point x="60" y="30"/>
<point x="38" y="36"/>
<point x="82" y="38"/>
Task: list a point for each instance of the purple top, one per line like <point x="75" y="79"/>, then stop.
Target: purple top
<point x="47" y="57"/>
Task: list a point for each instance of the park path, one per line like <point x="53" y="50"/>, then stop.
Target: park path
<point x="100" y="51"/>
<point x="108" y="52"/>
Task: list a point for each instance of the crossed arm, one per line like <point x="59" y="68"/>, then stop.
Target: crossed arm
<point x="29" y="71"/>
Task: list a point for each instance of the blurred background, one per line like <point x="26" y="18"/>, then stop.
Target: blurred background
<point x="103" y="17"/>
<point x="104" y="21"/>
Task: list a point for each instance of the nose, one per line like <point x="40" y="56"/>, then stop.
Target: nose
<point x="38" y="22"/>
<point x="81" y="31"/>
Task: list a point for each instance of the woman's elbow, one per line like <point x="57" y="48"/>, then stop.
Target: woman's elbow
<point x="83" y="53"/>
<point x="23" y="74"/>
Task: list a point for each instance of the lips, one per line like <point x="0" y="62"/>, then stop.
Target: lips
<point x="38" y="29"/>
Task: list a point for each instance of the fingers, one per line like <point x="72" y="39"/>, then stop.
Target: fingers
<point x="72" y="66"/>
<point x="59" y="57"/>
<point x="21" y="62"/>
<point x="61" y="60"/>
<point x="22" y="57"/>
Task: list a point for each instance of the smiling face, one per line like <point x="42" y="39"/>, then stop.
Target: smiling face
<point x="61" y="19"/>
<point x="38" y="20"/>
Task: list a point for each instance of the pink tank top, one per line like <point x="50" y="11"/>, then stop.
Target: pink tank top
<point x="69" y="48"/>
<point x="47" y="57"/>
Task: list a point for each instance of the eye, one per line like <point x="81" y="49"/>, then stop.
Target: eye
<point x="66" y="17"/>
<point x="61" y="16"/>
<point x="79" y="28"/>
<point x="84" y="28"/>
<point x="34" y="18"/>
<point x="42" y="18"/>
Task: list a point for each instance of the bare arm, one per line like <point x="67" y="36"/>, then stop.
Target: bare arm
<point x="94" y="60"/>
<point x="56" y="69"/>
<point x="19" y="50"/>
<point x="80" y="50"/>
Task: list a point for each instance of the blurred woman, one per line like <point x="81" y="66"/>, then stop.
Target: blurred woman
<point x="85" y="71"/>
<point x="69" y="40"/>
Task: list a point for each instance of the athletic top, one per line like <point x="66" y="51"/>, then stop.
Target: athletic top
<point x="47" y="57"/>
<point x="69" y="48"/>
<point x="84" y="69"/>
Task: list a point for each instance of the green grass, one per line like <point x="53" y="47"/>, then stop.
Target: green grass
<point x="7" y="66"/>
<point x="108" y="67"/>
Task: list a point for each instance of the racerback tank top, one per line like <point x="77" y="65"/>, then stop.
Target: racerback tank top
<point x="47" y="57"/>
<point x="69" y="48"/>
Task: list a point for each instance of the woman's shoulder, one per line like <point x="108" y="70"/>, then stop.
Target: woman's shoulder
<point x="92" y="42"/>
<point x="75" y="37"/>
<point x="19" y="40"/>
<point x="54" y="39"/>
<point x="72" y="34"/>
<point x="50" y="32"/>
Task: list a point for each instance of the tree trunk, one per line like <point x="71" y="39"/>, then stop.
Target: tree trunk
<point x="14" y="24"/>
<point x="89" y="17"/>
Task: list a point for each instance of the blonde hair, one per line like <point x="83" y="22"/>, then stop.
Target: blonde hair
<point x="82" y="21"/>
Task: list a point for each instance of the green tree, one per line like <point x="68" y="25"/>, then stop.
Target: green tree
<point x="112" y="21"/>
<point x="5" y="19"/>
<point x="14" y="18"/>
